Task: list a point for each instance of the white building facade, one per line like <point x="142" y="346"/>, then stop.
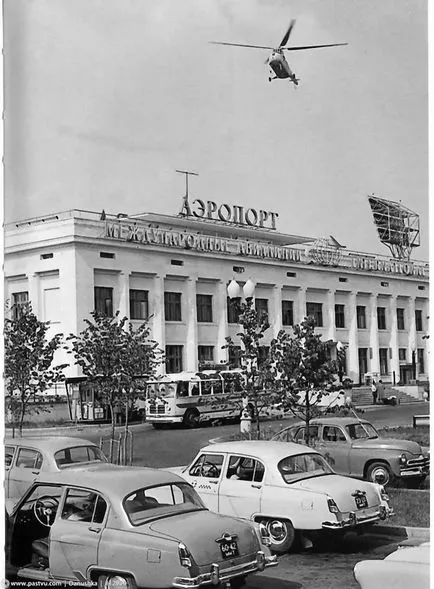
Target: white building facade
<point x="176" y="270"/>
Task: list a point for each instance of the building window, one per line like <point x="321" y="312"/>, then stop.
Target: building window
<point x="238" y="269"/>
<point x="19" y="301"/>
<point x="420" y="287"/>
<point x="104" y="301"/>
<point x="204" y="308"/>
<point x="139" y="304"/>
<point x="205" y="355"/>
<point x="173" y="359"/>
<point x="384" y="359"/>
<point x="419" y="326"/>
<point x="381" y="317"/>
<point x="234" y="357"/>
<point x="46" y="256"/>
<point x="263" y="353"/>
<point x="342" y="279"/>
<point x="287" y="313"/>
<point x="420" y="361"/>
<point x="402" y="354"/>
<point x="261" y="306"/>
<point x="177" y="262"/>
<point x="361" y="317"/>
<point x="291" y="274"/>
<point x="106" y="255"/>
<point x="384" y="283"/>
<point x="340" y="316"/>
<point x="315" y="310"/>
<point x="400" y="318"/>
<point x="172" y="306"/>
<point x="233" y="306"/>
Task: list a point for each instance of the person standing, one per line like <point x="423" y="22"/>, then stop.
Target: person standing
<point x="374" y="392"/>
<point x="380" y="391"/>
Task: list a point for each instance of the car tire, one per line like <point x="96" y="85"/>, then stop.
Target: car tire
<point x="114" y="581"/>
<point x="379" y="472"/>
<point x="282" y="535"/>
<point x="191" y="418"/>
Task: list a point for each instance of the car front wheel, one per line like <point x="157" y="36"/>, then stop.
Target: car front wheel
<point x="282" y="535"/>
<point x="379" y="472"/>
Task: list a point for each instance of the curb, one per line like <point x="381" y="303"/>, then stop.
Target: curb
<point x="422" y="534"/>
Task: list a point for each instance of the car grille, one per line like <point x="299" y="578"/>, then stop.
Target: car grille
<point x="413" y="462"/>
<point x="155" y="409"/>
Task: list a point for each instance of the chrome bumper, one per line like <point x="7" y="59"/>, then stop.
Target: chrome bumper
<point x="354" y="520"/>
<point x="215" y="576"/>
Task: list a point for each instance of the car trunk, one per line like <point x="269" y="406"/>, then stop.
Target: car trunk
<point x="191" y="529"/>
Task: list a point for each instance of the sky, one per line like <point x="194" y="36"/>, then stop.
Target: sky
<point x="105" y="99"/>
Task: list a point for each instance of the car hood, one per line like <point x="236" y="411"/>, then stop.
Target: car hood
<point x="200" y="530"/>
<point x="389" y="444"/>
<point x="341" y="489"/>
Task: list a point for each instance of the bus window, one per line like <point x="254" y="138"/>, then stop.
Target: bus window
<point x="207" y="387"/>
<point x="233" y="382"/>
<point x="194" y="389"/>
<point x="182" y="389"/>
<point x="167" y="390"/>
<point x="217" y="387"/>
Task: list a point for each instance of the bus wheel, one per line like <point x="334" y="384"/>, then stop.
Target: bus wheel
<point x="191" y="418"/>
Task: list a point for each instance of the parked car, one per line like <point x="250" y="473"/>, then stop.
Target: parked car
<point x="404" y="568"/>
<point x="354" y="447"/>
<point x="128" y="527"/>
<point x="289" y="488"/>
<point x="25" y="458"/>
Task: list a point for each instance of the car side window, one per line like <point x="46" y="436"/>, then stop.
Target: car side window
<point x="84" y="505"/>
<point x="244" y="468"/>
<point x="285" y="435"/>
<point x="207" y="465"/>
<point x="333" y="434"/>
<point x="299" y="435"/>
<point x="9" y="455"/>
<point x="28" y="458"/>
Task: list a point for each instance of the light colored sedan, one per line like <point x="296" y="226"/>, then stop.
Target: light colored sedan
<point x="404" y="568"/>
<point x="121" y="527"/>
<point x="287" y="487"/>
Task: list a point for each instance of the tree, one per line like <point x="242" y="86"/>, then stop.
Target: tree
<point x="29" y="359"/>
<point x="112" y="354"/>
<point x="253" y="365"/>
<point x="301" y="369"/>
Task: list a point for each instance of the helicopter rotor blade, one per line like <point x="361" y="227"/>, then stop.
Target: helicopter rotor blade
<point x="312" y="46"/>
<point x="240" y="45"/>
<point x="288" y="32"/>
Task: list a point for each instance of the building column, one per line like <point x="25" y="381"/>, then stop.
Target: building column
<point x="302" y="311"/>
<point x="277" y="310"/>
<point x="158" y="321"/>
<point x="222" y="321"/>
<point x="353" y="340"/>
<point x="124" y="294"/>
<point x="412" y="334"/>
<point x="393" y="342"/>
<point x="373" y="336"/>
<point x="34" y="293"/>
<point x="191" y="363"/>
<point x="331" y="326"/>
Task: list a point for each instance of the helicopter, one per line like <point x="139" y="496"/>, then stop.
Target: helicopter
<point x="276" y="60"/>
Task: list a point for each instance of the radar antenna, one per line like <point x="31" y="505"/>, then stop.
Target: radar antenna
<point x="398" y="227"/>
<point x="185" y="203"/>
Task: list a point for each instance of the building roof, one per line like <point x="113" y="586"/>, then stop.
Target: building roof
<point x="264" y="450"/>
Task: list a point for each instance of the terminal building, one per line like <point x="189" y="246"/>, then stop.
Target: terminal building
<point x="175" y="270"/>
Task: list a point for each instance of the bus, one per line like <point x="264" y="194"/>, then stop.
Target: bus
<point x="190" y="398"/>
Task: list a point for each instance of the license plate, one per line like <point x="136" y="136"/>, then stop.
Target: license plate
<point x="229" y="548"/>
<point x="361" y="501"/>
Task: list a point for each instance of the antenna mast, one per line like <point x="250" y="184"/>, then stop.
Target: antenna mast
<point x="187" y="174"/>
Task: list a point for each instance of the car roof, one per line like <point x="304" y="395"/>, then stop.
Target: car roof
<point x="265" y="450"/>
<point x="109" y="479"/>
<point x="330" y="421"/>
<point x="53" y="443"/>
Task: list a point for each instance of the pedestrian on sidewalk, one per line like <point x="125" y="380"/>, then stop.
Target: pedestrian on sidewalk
<point x="374" y="392"/>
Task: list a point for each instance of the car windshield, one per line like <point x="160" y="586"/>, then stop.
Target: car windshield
<point x="360" y="431"/>
<point x="77" y="455"/>
<point x="303" y="466"/>
<point x="161" y="501"/>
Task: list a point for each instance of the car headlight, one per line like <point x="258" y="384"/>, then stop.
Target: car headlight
<point x="403" y="459"/>
<point x="333" y="508"/>
<point x="184" y="555"/>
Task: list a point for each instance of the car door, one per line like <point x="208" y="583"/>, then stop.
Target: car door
<point x="241" y="487"/>
<point x="76" y="533"/>
<point x="9" y="460"/>
<point x="335" y="447"/>
<point x="24" y="470"/>
<point x="205" y="476"/>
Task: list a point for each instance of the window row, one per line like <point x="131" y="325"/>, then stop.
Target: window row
<point x="385" y="355"/>
<point x="139" y="309"/>
<point x="205" y="356"/>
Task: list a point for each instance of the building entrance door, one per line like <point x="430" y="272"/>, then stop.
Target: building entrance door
<point x="363" y="363"/>
<point x="405" y="373"/>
